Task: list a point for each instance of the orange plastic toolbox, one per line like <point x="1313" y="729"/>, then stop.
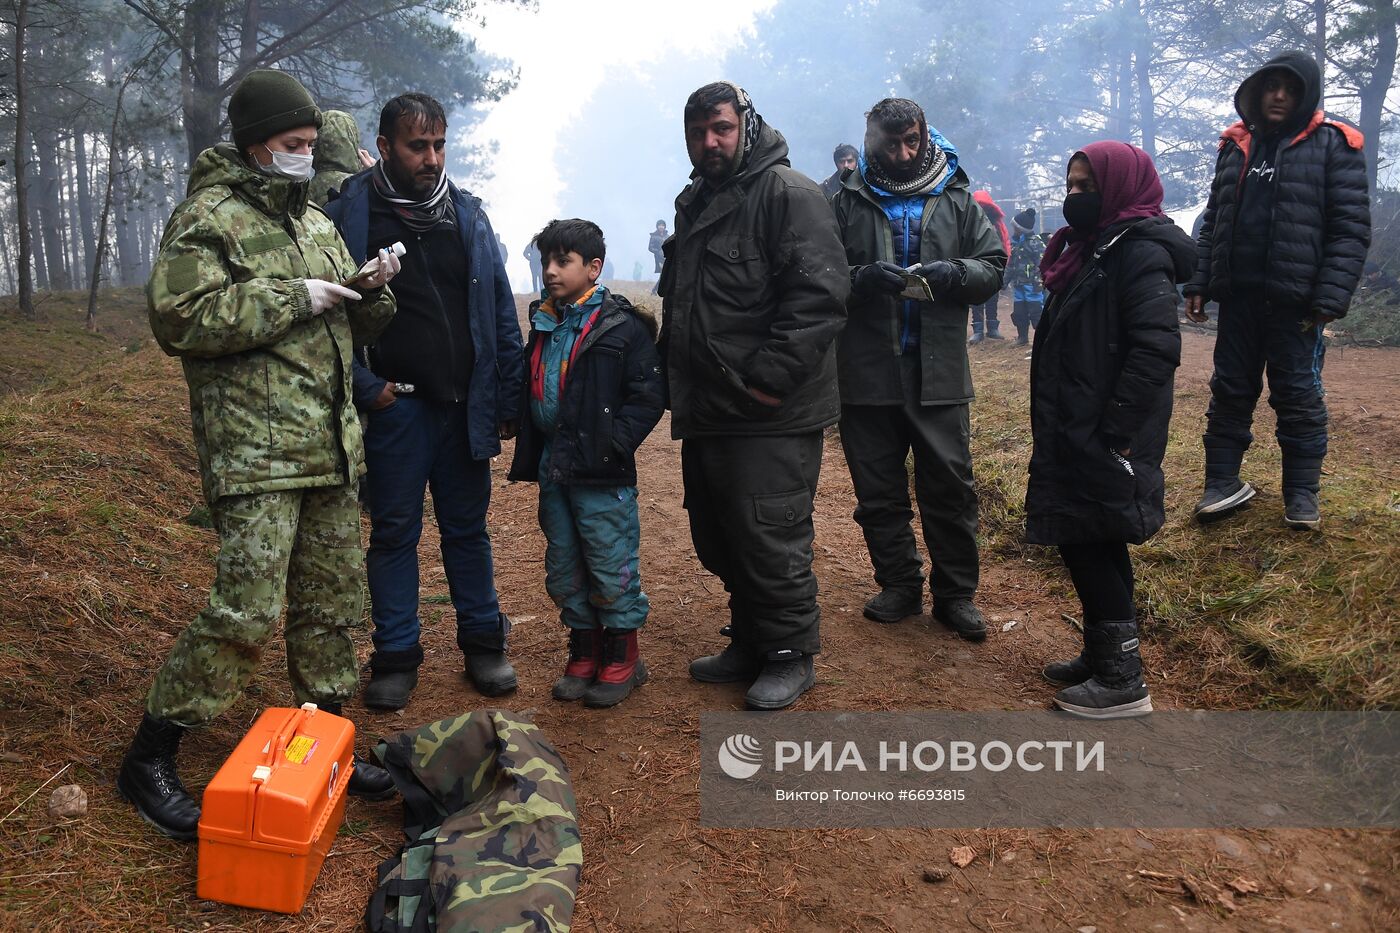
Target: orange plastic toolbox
<point x="271" y="813"/>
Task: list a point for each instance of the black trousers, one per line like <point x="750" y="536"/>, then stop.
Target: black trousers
<point x="750" y="506"/>
<point x="1103" y="579"/>
<point x="877" y="440"/>
<point x="1025" y="314"/>
<point x="1254" y="338"/>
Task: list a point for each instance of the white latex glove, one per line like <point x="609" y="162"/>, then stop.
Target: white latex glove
<point x="389" y="267"/>
<point x="325" y="295"/>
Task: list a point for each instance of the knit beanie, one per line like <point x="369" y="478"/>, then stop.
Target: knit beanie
<point x="266" y="103"/>
<point x="1024" y="222"/>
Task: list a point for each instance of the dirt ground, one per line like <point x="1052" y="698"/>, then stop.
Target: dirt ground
<point x="647" y="863"/>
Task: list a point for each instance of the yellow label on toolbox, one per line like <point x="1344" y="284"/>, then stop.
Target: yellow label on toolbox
<point x="300" y="748"/>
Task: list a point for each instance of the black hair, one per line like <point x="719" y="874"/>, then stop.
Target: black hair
<point x="844" y="151"/>
<point x="572" y="236"/>
<point x="894" y="114"/>
<point x="661" y="223"/>
<point x="420" y="110"/>
<point x="709" y="99"/>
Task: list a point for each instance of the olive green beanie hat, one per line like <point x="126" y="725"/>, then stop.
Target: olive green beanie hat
<point x="266" y="103"/>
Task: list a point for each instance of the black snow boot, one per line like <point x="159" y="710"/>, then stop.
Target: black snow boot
<point x="894" y="604"/>
<point x="786" y="675"/>
<point x="392" y="677"/>
<point x="1225" y="493"/>
<point x="1068" y="673"/>
<point x="1116" y="689"/>
<point x="1302" y="478"/>
<point x="486" y="664"/>
<point x="367" y="781"/>
<point x="148" y="781"/>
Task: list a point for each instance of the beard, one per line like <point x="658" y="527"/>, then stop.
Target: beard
<point x="413" y="186"/>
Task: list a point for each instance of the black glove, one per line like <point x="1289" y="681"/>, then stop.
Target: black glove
<point x="942" y="276"/>
<point x="878" y="277"/>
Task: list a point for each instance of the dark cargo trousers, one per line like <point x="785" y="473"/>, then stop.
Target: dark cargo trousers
<point x="1254" y="338"/>
<point x="877" y="440"/>
<point x="750" y="506"/>
<point x="301" y="544"/>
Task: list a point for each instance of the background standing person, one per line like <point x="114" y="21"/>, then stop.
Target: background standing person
<point x="265" y="337"/>
<point x="532" y="256"/>
<point x="754" y="296"/>
<point x="905" y="380"/>
<point x="1101" y="400"/>
<point x="984" y="316"/>
<point x="338" y="156"/>
<point x="1023" y="275"/>
<point x="1282" y="246"/>
<point x="655" y="244"/>
<point x="440" y="385"/>
<point x="845" y="157"/>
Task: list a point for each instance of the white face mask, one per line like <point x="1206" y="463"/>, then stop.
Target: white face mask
<point x="290" y="165"/>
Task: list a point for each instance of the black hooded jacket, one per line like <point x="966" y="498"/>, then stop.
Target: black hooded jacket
<point x="754" y="289"/>
<point x="1105" y="355"/>
<point x="1288" y="210"/>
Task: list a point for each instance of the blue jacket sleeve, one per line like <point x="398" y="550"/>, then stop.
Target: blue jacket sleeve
<point x="368" y="386"/>
<point x="510" y="367"/>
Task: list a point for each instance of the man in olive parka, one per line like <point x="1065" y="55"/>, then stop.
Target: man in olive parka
<point x="245" y="291"/>
<point x="902" y="362"/>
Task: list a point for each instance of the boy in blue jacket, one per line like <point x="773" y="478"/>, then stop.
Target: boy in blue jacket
<point x="593" y="394"/>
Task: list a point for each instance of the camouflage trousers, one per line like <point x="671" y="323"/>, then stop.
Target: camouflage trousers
<point x="301" y="544"/>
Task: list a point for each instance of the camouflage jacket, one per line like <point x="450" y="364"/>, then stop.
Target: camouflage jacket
<point x="337" y="155"/>
<point x="269" y="383"/>
<point x="492" y="826"/>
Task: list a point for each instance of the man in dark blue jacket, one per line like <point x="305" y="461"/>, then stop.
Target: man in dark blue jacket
<point x="1282" y="243"/>
<point x="440" y="388"/>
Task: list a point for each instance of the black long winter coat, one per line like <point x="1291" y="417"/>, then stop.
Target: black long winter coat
<point x="1321" y="226"/>
<point x="1104" y="358"/>
<point x="612" y="399"/>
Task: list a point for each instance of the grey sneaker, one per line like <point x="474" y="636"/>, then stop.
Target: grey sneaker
<point x="1300" y="509"/>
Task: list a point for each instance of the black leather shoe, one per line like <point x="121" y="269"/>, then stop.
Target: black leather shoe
<point x="390" y="689"/>
<point x="369" y="781"/>
<point x="894" y="604"/>
<point x="490" y="673"/>
<point x="148" y="781"/>
<point x="781" y="682"/>
<point x="962" y="617"/>
<point x="732" y="665"/>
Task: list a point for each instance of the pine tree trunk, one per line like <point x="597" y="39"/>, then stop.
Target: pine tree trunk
<point x="1373" y="92"/>
<point x="51" y="214"/>
<point x="201" y="95"/>
<point x="26" y="284"/>
<point x="84" y="185"/>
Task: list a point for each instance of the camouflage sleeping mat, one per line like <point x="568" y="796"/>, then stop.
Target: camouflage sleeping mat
<point x="492" y="828"/>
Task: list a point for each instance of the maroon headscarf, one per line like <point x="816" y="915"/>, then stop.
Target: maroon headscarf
<point x="1130" y="189"/>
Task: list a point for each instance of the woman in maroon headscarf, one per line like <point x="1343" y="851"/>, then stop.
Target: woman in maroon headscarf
<point x="1101" y="397"/>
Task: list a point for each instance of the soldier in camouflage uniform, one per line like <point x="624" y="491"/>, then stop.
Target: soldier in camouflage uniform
<point x="245" y="292"/>
<point x="338" y="155"/>
<point x="492" y="830"/>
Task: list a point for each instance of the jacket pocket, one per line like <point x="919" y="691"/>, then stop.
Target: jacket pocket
<point x="783" y="509"/>
<point x="238" y="425"/>
<point x="734" y="271"/>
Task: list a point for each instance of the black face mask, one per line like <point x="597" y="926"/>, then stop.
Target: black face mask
<point x="1082" y="211"/>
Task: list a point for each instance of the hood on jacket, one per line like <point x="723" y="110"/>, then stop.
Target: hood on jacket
<point x="1176" y="241"/>
<point x="338" y="146"/>
<point x="274" y="195"/>
<point x="984" y="198"/>
<point x="1304" y="68"/>
<point x="642" y="312"/>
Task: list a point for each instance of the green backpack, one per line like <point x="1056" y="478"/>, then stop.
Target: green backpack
<point x="493" y="842"/>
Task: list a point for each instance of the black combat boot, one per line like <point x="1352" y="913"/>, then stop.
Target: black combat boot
<point x="367" y="781"/>
<point x="735" y="664"/>
<point x="962" y="617"/>
<point x="894" y="604"/>
<point x="1302" y="478"/>
<point x="392" y="677"/>
<point x="486" y="664"/>
<point x="786" y="675"/>
<point x="1116" y="689"/>
<point x="148" y="781"/>
<point x="1225" y="493"/>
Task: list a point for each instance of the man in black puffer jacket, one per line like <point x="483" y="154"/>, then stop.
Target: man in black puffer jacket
<point x="1281" y="247"/>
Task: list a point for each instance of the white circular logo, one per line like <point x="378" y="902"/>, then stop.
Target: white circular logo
<point x="741" y="756"/>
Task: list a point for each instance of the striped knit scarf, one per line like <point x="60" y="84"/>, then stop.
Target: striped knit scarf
<point x="930" y="174"/>
<point x="418" y="216"/>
